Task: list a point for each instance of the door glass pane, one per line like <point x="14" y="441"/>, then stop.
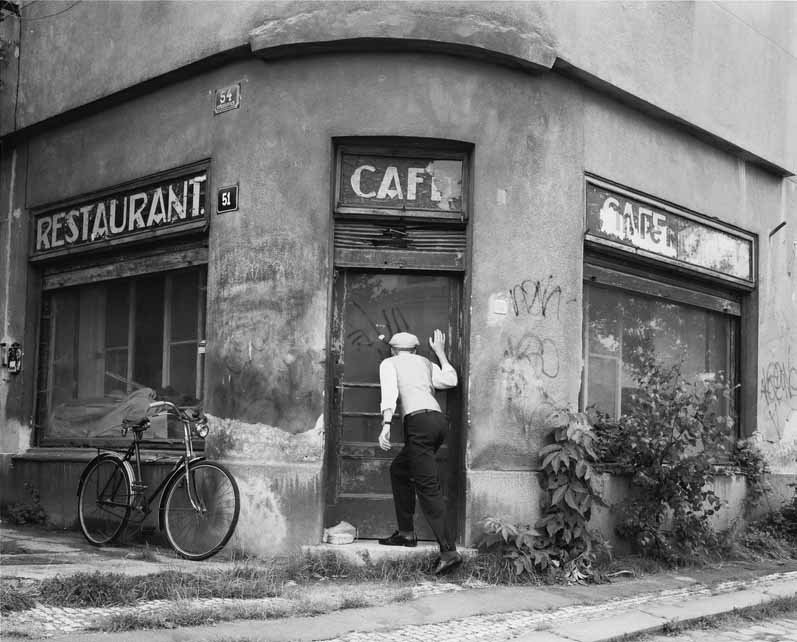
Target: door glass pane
<point x="383" y="304"/>
<point x="624" y="327"/>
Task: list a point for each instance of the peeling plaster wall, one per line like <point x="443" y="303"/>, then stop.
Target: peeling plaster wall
<point x="526" y="274"/>
<point x="534" y="136"/>
<point x="15" y="389"/>
<point x="685" y="57"/>
<point x="777" y="363"/>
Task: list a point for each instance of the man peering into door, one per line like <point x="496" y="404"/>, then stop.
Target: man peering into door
<point x="412" y="379"/>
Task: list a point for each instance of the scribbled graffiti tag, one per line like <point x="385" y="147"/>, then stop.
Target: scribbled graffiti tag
<point x="541" y="352"/>
<point x="367" y="334"/>
<point x="536" y="297"/>
<point x="779" y="388"/>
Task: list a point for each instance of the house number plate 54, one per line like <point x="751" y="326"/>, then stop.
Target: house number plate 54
<point x="227" y="98"/>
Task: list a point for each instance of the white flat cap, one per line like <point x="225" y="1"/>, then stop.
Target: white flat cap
<point x="404" y="341"/>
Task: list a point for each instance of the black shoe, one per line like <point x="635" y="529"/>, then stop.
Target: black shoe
<point x="448" y="562"/>
<point x="398" y="540"/>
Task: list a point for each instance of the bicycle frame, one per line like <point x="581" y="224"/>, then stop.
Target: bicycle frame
<point x="181" y="466"/>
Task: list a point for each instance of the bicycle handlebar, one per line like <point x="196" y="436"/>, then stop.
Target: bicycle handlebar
<point x="193" y="416"/>
<point x="158" y="407"/>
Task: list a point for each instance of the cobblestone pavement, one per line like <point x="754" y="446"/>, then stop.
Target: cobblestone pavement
<point x="46" y="621"/>
<point x="506" y="626"/>
<point x="778" y="630"/>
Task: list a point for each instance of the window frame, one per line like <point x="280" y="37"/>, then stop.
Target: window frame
<point x="599" y="271"/>
<point x="131" y="269"/>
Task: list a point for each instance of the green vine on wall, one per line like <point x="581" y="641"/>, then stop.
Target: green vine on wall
<point x="561" y="541"/>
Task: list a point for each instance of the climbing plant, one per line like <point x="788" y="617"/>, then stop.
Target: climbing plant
<point x="561" y="540"/>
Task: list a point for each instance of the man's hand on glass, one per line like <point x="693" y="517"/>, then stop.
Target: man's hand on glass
<point x="438" y="342"/>
<point x="384" y="437"/>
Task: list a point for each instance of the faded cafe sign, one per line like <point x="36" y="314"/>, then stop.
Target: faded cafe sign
<point x="393" y="182"/>
<point x="640" y="225"/>
<point x="170" y="204"/>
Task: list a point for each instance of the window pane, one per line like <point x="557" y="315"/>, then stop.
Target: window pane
<point x="624" y="327"/>
<point x="117" y="314"/>
<point x="86" y="348"/>
<point x="64" y="365"/>
<point x="183" y="375"/>
<point x="148" y="351"/>
<point x="185" y="295"/>
<point x="116" y="371"/>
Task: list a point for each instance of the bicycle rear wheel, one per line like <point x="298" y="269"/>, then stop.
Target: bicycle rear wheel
<point x="104" y="499"/>
<point x="197" y="533"/>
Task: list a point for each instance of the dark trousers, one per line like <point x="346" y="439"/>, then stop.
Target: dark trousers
<point x="414" y="471"/>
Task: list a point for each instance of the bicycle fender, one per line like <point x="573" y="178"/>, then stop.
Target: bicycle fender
<point x="175" y="473"/>
<point x="125" y="464"/>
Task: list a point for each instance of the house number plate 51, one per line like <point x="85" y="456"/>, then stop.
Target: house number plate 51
<point x="227" y="98"/>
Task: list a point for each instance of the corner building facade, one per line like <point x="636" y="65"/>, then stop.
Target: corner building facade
<point x="231" y="202"/>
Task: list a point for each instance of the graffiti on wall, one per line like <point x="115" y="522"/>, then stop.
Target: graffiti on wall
<point x="536" y="297"/>
<point x="526" y="363"/>
<point x="779" y="393"/>
<point x="387" y="323"/>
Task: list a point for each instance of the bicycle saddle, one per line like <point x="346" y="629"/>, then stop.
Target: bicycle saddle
<point x="136" y="426"/>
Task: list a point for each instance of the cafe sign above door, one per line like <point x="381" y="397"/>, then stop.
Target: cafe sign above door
<point x="410" y="186"/>
<point x="635" y="223"/>
<point x="165" y="207"/>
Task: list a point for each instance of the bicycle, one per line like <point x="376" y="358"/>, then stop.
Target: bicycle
<point x="200" y="503"/>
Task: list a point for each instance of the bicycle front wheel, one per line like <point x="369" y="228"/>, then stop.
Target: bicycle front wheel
<point x="199" y="517"/>
<point x="104" y="499"/>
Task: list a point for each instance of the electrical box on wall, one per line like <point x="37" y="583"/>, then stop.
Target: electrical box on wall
<point x="11" y="357"/>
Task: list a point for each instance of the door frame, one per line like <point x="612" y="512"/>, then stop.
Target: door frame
<point x="450" y="261"/>
<point x="456" y="454"/>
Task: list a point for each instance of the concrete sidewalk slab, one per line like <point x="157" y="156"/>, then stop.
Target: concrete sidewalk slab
<point x="607" y="628"/>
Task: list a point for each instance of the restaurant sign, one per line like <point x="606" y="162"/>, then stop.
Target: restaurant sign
<point x="164" y="207"/>
<point x="369" y="181"/>
<point x="638" y="224"/>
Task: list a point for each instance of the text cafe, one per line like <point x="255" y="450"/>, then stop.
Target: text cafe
<point x="123" y="277"/>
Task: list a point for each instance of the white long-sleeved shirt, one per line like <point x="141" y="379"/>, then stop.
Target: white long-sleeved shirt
<point x="413" y="379"/>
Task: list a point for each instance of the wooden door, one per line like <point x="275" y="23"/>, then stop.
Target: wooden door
<point x="369" y="304"/>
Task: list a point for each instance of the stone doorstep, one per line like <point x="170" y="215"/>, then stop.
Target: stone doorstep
<point x="357" y="551"/>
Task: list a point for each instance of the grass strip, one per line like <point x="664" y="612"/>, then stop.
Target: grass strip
<point x="14" y="599"/>
<point x="737" y="618"/>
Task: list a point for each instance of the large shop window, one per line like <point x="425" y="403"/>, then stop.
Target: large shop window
<point x="102" y="341"/>
<point x="659" y="283"/>
<point x="624" y="326"/>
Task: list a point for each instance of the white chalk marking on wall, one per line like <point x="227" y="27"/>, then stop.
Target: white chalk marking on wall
<point x="9" y="236"/>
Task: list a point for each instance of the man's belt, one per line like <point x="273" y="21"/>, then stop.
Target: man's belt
<point x="419" y="412"/>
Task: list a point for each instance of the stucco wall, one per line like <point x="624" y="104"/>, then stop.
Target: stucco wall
<point x="686" y="58"/>
<point x="269" y="266"/>
<point x="777" y="363"/>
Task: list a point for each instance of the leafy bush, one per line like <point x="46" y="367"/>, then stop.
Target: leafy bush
<point x="561" y="540"/>
<point x="670" y="444"/>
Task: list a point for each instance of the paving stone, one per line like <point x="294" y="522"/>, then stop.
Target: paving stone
<point x="606" y="628"/>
